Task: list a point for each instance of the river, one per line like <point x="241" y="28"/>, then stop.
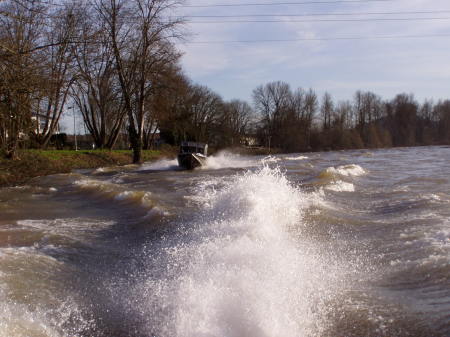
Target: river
<point x="350" y="243"/>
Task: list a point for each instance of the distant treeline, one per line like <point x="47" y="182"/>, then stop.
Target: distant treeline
<point x="114" y="62"/>
<point x="300" y="121"/>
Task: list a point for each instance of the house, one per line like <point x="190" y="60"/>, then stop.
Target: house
<point x="250" y="141"/>
<point x="39" y="121"/>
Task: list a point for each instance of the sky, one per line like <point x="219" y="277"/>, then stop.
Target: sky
<point x="384" y="66"/>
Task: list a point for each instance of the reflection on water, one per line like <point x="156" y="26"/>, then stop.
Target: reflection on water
<point x="350" y="243"/>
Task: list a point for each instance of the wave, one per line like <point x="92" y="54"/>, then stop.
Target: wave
<point x="41" y="312"/>
<point x="160" y="165"/>
<point x="340" y="186"/>
<point x="137" y="197"/>
<point x="296" y="158"/>
<point x="270" y="159"/>
<point x="237" y="270"/>
<point x="345" y="171"/>
<point x="19" y="321"/>
<point x="336" y="178"/>
<point x="54" y="235"/>
<point x="435" y="238"/>
<point x="221" y="160"/>
<point x="109" y="190"/>
<point x="226" y="159"/>
<point x="107" y="170"/>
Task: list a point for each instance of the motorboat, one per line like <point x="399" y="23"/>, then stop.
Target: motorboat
<point x="192" y="155"/>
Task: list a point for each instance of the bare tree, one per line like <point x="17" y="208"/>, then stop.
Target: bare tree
<point x="174" y="119"/>
<point x="21" y="77"/>
<point x="96" y="92"/>
<point x="271" y="102"/>
<point x="326" y="110"/>
<point x="58" y="57"/>
<point x="442" y="111"/>
<point x="235" y="121"/>
<point x="403" y="124"/>
<point x="168" y="84"/>
<point x="205" y="109"/>
<point x="311" y="106"/>
<point x="343" y="115"/>
<point x="139" y="31"/>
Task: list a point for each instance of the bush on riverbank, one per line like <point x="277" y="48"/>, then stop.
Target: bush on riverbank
<point x="34" y="163"/>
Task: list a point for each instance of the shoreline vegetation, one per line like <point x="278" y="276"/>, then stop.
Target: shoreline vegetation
<point x="36" y="163"/>
<point x="77" y="61"/>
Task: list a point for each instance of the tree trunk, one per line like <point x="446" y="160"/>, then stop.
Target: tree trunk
<point x="136" y="145"/>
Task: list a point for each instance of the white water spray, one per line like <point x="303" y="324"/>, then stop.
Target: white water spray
<point x="226" y="159"/>
<point x="238" y="271"/>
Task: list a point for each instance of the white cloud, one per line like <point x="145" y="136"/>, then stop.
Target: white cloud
<point x="381" y="65"/>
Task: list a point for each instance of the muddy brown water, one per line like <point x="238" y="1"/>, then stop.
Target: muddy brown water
<point x="351" y="243"/>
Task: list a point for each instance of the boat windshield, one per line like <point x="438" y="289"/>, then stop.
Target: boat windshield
<point x="192" y="149"/>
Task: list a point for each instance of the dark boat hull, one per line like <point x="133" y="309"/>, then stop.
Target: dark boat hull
<point x="190" y="161"/>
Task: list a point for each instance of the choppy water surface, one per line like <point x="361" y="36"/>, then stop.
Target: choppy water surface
<point x="352" y="243"/>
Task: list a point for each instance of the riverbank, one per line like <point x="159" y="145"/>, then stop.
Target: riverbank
<point x="253" y="151"/>
<point x="35" y="163"/>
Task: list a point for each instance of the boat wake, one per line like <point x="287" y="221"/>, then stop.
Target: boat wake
<point x="237" y="269"/>
<point x="226" y="159"/>
<point x="160" y="165"/>
<point x="219" y="161"/>
<point x="281" y="248"/>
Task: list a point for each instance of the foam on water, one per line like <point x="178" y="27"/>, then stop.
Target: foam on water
<point x="226" y="159"/>
<point x="346" y="170"/>
<point x="221" y="160"/>
<point x="18" y="320"/>
<point x="94" y="184"/>
<point x="435" y="237"/>
<point x="74" y="228"/>
<point x="160" y="165"/>
<point x="340" y="186"/>
<point x="156" y="212"/>
<point x="296" y="158"/>
<point x="237" y="271"/>
<point x="336" y="178"/>
<point x="41" y="313"/>
<point x="110" y="169"/>
<point x="52" y="236"/>
<point x="135" y="196"/>
<point x="270" y="159"/>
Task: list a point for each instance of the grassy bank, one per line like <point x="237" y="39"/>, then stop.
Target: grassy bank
<point x="34" y="163"/>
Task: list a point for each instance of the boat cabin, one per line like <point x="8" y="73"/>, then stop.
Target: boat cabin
<point x="193" y="147"/>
